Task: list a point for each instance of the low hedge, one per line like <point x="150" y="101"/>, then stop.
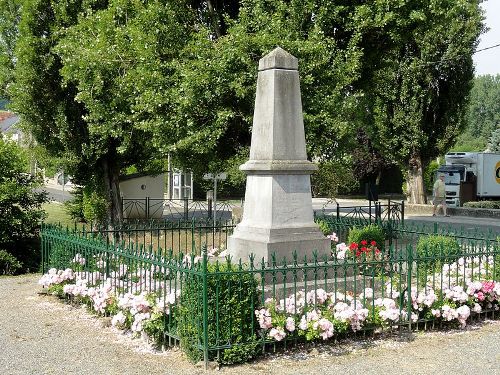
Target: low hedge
<point x="369" y="233"/>
<point x="433" y="251"/>
<point x="232" y="300"/>
<point x="492" y="205"/>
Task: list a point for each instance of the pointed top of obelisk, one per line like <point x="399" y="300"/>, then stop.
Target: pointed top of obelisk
<point x="278" y="58"/>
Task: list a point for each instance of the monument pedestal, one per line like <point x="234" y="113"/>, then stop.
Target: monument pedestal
<point x="278" y="215"/>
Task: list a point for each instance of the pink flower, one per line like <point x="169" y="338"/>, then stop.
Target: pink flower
<point x="333" y="237"/>
<point x="488" y="286"/>
<point x="326" y="328"/>
<point x="264" y="318"/>
<point x="277" y="333"/>
<point x="479" y="296"/>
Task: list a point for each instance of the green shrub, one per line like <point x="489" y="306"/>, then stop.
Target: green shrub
<point x="74" y="206"/>
<point x="430" y="175"/>
<point x="20" y="207"/>
<point x="334" y="177"/>
<point x="324" y="226"/>
<point x="369" y="233"/>
<point x="433" y="251"/>
<point x="232" y="300"/>
<point x="94" y="206"/>
<point x="9" y="265"/>
<point x="495" y="205"/>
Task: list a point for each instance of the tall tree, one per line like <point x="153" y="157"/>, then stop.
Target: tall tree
<point x="417" y="91"/>
<point x="483" y="114"/>
<point x="47" y="106"/>
<point x="20" y="206"/>
<point x="494" y="141"/>
<point x="10" y="11"/>
<point x="119" y="59"/>
<point x="86" y="81"/>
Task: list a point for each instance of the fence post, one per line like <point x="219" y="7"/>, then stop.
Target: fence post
<point x="402" y="213"/>
<point x="186" y="209"/>
<point x="409" y="267"/>
<point x="338" y="211"/>
<point x="147" y="207"/>
<point x="42" y="243"/>
<point x="205" y="305"/>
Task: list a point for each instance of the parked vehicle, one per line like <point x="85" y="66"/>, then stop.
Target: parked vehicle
<point x="471" y="176"/>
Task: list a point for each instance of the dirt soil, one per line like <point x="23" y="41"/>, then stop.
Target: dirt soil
<point x="41" y="335"/>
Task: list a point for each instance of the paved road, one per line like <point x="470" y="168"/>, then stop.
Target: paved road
<point x="56" y="194"/>
<point x="458" y="222"/>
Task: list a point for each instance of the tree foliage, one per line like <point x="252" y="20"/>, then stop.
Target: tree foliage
<point x="10" y="11"/>
<point x="20" y="206"/>
<point x="214" y="97"/>
<point x="108" y="84"/>
<point x="494" y="141"/>
<point x="483" y="114"/>
<point x="416" y="92"/>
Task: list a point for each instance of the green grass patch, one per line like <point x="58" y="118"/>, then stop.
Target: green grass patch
<point x="57" y="214"/>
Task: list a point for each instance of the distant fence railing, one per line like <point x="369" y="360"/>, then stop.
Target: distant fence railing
<point x="180" y="236"/>
<point x="218" y="308"/>
<point x="404" y="233"/>
<point x="175" y="209"/>
<point x="392" y="211"/>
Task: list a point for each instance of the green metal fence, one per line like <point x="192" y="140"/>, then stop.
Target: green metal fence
<point x="220" y="309"/>
<point x="180" y="236"/>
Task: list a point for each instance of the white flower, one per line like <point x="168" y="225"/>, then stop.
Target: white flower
<point x="277" y="333"/>
<point x="118" y="319"/>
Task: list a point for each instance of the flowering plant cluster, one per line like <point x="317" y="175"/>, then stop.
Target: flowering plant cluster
<point x="312" y="315"/>
<point x="136" y="302"/>
<point x="141" y="313"/>
<point x="362" y="250"/>
<point x="319" y="314"/>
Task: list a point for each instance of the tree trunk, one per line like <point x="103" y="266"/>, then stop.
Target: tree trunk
<point x="112" y="189"/>
<point x="214" y="18"/>
<point x="415" y="181"/>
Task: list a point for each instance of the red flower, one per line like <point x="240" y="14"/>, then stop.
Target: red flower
<point x="373" y="243"/>
<point x="353" y="246"/>
<point x="377" y="251"/>
<point x="364" y="249"/>
<point x="364" y="242"/>
<point x="358" y="253"/>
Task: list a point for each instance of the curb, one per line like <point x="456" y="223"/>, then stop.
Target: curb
<point x="426" y="209"/>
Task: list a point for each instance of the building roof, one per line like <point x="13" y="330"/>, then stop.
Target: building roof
<point x="8" y="122"/>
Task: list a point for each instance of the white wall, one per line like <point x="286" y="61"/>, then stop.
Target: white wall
<point x="139" y="189"/>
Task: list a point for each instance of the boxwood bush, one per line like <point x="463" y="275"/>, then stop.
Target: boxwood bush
<point x="232" y="299"/>
<point x="369" y="233"/>
<point x="433" y="251"/>
<point x="324" y="226"/>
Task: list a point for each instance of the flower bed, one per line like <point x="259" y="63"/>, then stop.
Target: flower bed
<point x="146" y="308"/>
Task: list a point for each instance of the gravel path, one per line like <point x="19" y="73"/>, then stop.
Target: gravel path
<point x="40" y="335"/>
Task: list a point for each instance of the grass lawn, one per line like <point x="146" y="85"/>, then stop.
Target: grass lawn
<point x="56" y="213"/>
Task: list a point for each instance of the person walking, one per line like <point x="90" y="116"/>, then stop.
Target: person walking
<point x="439" y="195"/>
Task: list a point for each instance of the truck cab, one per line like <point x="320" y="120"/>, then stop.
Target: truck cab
<point x="471" y="176"/>
<point x="454" y="175"/>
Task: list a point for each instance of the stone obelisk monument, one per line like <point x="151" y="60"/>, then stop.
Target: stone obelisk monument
<point x="278" y="215"/>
